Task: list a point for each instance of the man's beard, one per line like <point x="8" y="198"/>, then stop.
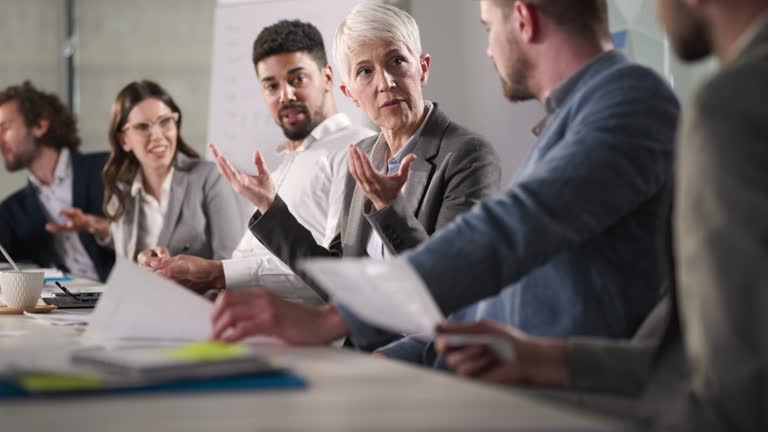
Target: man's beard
<point x="687" y="31"/>
<point x="24" y="158"/>
<point x="299" y="132"/>
<point x="518" y="87"/>
<point x="694" y="44"/>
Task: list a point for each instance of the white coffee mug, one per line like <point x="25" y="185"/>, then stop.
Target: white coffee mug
<point x="21" y="289"/>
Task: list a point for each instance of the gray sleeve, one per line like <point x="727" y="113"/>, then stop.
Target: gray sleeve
<point x="396" y="225"/>
<point x="619" y="366"/>
<point x="721" y="241"/>
<point x="611" y="366"/>
<point x="281" y="233"/>
<point x="472" y="174"/>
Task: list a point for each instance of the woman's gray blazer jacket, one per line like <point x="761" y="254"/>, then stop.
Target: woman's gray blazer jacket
<point x="455" y="168"/>
<point x="203" y="218"/>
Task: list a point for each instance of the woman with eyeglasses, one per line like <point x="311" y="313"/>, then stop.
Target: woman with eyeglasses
<point x="158" y="193"/>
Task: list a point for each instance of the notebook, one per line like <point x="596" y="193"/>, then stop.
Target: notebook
<point x="158" y="364"/>
<point x="198" y="366"/>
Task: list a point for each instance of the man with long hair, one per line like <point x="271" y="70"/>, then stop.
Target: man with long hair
<point x="39" y="134"/>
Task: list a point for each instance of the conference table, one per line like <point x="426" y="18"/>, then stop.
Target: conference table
<point x="347" y="391"/>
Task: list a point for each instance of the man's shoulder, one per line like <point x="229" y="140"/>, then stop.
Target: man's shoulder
<point x="622" y="95"/>
<point x="351" y="134"/>
<point x="15" y="201"/>
<point x="342" y="139"/>
<point x="624" y="81"/>
<point x="726" y="106"/>
<point x="92" y="158"/>
<point x="734" y="86"/>
<point x="92" y="164"/>
<point x="199" y="171"/>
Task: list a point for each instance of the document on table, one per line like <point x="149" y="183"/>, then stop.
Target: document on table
<point x="388" y="294"/>
<point x="62" y="317"/>
<point x="391" y="295"/>
<point x="138" y="305"/>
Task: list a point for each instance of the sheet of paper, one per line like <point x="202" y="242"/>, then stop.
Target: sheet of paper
<point x="138" y="307"/>
<point x="137" y="304"/>
<point x="62" y="317"/>
<point x="389" y="294"/>
<point x="52" y="273"/>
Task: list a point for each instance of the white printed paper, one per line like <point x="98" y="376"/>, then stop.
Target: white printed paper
<point x="388" y="294"/>
<point x="138" y="304"/>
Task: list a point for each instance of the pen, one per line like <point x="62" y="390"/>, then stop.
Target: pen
<point x="66" y="291"/>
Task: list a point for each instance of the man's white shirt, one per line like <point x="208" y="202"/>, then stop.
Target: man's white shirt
<point x="55" y="197"/>
<point x="310" y="180"/>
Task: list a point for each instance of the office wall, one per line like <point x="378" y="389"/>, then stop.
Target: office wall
<point x="167" y="41"/>
<point x="31" y="37"/>
<point x="119" y="41"/>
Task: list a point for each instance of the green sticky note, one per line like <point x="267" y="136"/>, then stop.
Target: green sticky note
<point x="207" y="351"/>
<point x="45" y="383"/>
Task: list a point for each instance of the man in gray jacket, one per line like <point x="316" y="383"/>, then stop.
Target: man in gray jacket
<point x="721" y="223"/>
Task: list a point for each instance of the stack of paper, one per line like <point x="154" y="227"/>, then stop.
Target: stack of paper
<point x="140" y="306"/>
<point x="62" y="317"/>
<point x="193" y="360"/>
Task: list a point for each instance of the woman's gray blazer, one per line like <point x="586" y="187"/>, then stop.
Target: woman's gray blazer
<point x="455" y="168"/>
<point x="203" y="218"/>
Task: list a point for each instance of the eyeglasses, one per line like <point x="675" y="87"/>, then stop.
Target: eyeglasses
<point x="166" y="123"/>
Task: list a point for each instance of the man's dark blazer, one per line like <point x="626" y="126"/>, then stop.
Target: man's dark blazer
<point x="455" y="168"/>
<point x="22" y="219"/>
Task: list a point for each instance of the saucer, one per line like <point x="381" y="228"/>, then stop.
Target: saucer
<point x="5" y="310"/>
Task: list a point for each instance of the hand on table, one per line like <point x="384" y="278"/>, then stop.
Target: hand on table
<point x="238" y="314"/>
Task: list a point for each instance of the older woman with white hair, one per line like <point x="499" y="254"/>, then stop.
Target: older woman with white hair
<point x="415" y="177"/>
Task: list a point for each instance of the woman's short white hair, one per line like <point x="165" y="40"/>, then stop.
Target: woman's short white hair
<point x="374" y="21"/>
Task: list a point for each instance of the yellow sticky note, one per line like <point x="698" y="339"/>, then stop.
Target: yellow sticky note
<point x="42" y="382"/>
<point x="207" y="351"/>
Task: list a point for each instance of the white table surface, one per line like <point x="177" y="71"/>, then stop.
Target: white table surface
<point x="348" y="391"/>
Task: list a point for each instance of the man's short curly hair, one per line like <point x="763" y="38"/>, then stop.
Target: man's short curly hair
<point x="35" y="105"/>
<point x="289" y="36"/>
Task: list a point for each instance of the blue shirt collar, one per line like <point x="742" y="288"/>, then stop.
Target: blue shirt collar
<point x="380" y="149"/>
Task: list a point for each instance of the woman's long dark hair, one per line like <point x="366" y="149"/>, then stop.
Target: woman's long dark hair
<point x="122" y="166"/>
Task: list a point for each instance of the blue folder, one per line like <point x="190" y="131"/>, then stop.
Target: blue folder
<point x="257" y="382"/>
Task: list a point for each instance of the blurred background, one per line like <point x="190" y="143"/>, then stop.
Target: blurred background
<point x="87" y="50"/>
